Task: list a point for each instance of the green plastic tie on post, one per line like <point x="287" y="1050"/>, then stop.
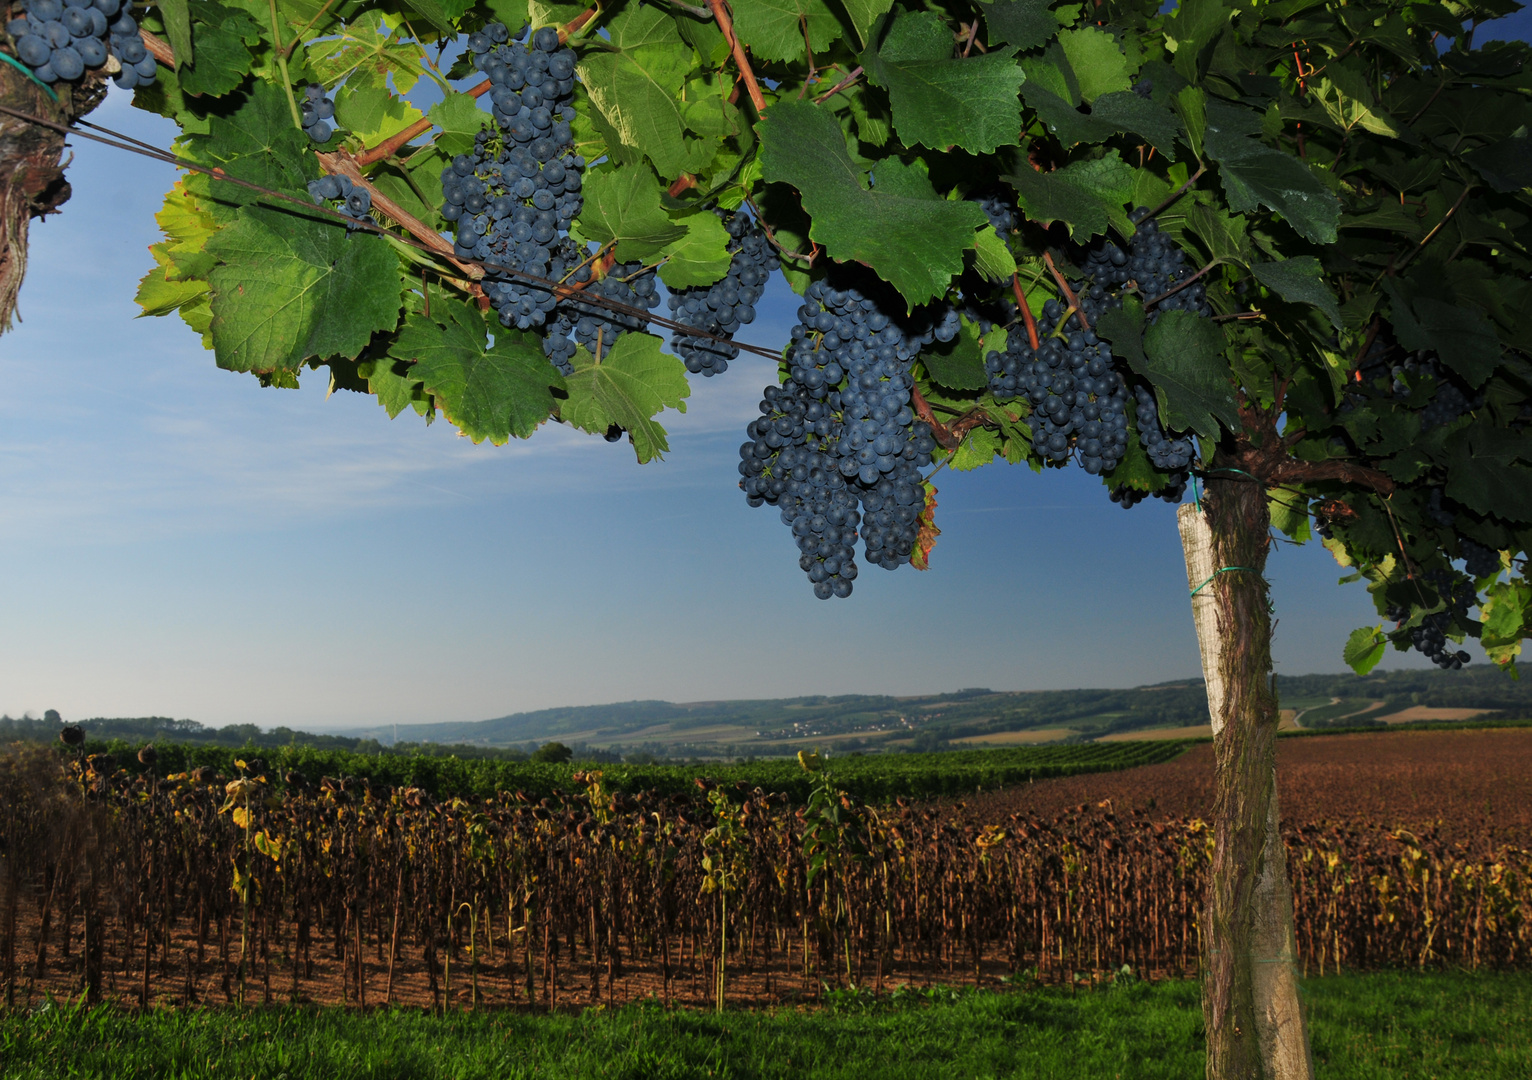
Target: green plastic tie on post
<point x="19" y="66"/>
<point x="1225" y="570"/>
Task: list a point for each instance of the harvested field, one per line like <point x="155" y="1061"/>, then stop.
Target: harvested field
<point x="1417" y="713"/>
<point x="1476" y="783"/>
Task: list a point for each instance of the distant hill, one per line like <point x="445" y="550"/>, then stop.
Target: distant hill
<point x="869" y="723"/>
<point x="967" y="717"/>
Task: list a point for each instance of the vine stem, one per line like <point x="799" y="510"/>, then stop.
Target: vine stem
<point x="721" y="14"/>
<point x="1074" y="301"/>
<point x="1176" y="194"/>
<point x="287" y="82"/>
<point x="341" y="163"/>
<point x="1026" y="312"/>
<point x="851" y="77"/>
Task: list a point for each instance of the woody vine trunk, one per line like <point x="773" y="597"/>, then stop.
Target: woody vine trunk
<point x="32" y="180"/>
<point x="1255" y="1023"/>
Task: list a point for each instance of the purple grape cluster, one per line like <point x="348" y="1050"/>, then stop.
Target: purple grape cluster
<point x="316" y="112"/>
<point x="723" y="307"/>
<point x="60" y="40"/>
<point x="355" y="200"/>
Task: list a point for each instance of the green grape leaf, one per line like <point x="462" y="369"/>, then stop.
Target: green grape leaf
<point x="1097" y="61"/>
<point x="1088" y="196"/>
<point x="1460" y="335"/>
<point x="373" y="114"/>
<point x="257" y="142"/>
<point x="958" y="365"/>
<point x="460" y="120"/>
<point x="487" y="392"/>
<point x="290" y="288"/>
<point x="1125" y="111"/>
<point x="187" y="227"/>
<point x="622" y="206"/>
<point x="864" y="13"/>
<point x="993" y="258"/>
<point x="1195" y="27"/>
<point x="977" y="449"/>
<point x="1505" y="165"/>
<point x="1506" y="612"/>
<point x="1299" y="280"/>
<point x="442" y="13"/>
<point x="1067" y="123"/>
<point x="367" y="51"/>
<point x="222" y="58"/>
<point x="1050" y="71"/>
<point x="393" y="383"/>
<point x="1182" y="358"/>
<point x="636" y="85"/>
<point x="177" y="18"/>
<point x="701" y="257"/>
<point x="1254" y="174"/>
<point x="774" y="28"/>
<point x="940" y="102"/>
<point x="159" y="294"/>
<point x="916" y="245"/>
<point x="1026" y="24"/>
<point x="1487" y="472"/>
<point x="631" y="385"/>
<point x="1364" y="648"/>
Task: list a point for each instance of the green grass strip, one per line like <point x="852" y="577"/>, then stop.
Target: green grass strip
<point x="1400" y="1026"/>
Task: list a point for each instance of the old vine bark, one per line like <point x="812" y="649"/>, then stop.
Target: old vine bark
<point x="32" y="180"/>
<point x="1255" y="1024"/>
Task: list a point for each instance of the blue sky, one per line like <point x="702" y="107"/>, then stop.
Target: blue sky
<point x="179" y="541"/>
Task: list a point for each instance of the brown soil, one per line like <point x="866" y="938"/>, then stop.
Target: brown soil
<point x="1473" y="782"/>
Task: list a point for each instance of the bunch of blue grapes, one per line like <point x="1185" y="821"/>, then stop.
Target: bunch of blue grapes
<point x="1150" y="267"/>
<point x="515" y="196"/>
<point x="60" y="40"/>
<point x="840" y="434"/>
<point x="1078" y="399"/>
<point x="595" y="325"/>
<point x="355" y="200"/>
<point x="786" y="463"/>
<point x="1479" y="561"/>
<point x="316" y="113"/>
<point x="1001" y="211"/>
<point x="723" y="307"/>
<point x="1166" y="452"/>
<point x="1457" y="593"/>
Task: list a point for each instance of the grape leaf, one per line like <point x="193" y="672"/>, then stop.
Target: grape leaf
<point x="774" y="28"/>
<point x="1255" y="174"/>
<point x="1364" y="648"/>
<point x="1505" y="165"/>
<point x="993" y="259"/>
<point x="1025" y="24"/>
<point x="293" y="288"/>
<point x="636" y="85"/>
<point x="371" y="113"/>
<point x="940" y="102"/>
<point x="631" y="385"/>
<point x="916" y="245"/>
<point x="1125" y="111"/>
<point x="367" y="51"/>
<point x="258" y="143"/>
<point x="623" y="206"/>
<point x="959" y="364"/>
<point x="178" y="29"/>
<point x="487" y="392"/>
<point x="1299" y="280"/>
<point x="1087" y="196"/>
<point x="460" y="120"/>
<point x="1182" y="358"/>
<point x="979" y="448"/>
<point x="222" y="58"/>
<point x="864" y="13"/>
<point x="701" y="257"/>
<point x="1097" y="61"/>
<point x="160" y="294"/>
<point x="1487" y="473"/>
<point x="441" y="13"/>
<point x="1460" y="335"/>
<point x="1195" y="27"/>
<point x="395" y="387"/>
